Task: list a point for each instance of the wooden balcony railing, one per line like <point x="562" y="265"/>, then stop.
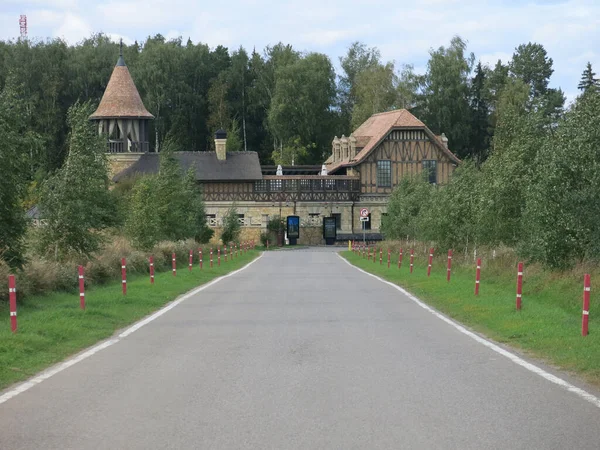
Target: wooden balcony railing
<point x="132" y="147"/>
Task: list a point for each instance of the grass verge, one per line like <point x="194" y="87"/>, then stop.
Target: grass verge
<point x="548" y="326"/>
<point x="52" y="327"/>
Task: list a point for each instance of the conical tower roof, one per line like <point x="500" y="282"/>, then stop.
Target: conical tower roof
<point x="121" y="99"/>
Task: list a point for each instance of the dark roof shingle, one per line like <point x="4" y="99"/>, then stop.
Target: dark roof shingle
<point x="239" y="166"/>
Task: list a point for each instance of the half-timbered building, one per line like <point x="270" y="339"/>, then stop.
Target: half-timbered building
<point x="361" y="172"/>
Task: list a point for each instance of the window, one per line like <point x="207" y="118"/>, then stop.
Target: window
<point x="338" y="221"/>
<point x="211" y="220"/>
<point x="430" y="170"/>
<point x="367" y="224"/>
<point x="384" y="174"/>
<point x="241" y="219"/>
<point x="276" y="185"/>
<point x="260" y="186"/>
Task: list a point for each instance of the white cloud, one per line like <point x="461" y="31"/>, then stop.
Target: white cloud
<point x="73" y="28"/>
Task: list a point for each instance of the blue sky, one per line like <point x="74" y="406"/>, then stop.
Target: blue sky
<point x="404" y="31"/>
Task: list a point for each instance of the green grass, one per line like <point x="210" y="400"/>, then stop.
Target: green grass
<point x="547" y="327"/>
<point x="53" y="327"/>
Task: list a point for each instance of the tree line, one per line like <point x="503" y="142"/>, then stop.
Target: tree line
<point x="281" y="102"/>
<point x="537" y="192"/>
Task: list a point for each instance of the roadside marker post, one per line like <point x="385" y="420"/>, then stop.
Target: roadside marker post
<point x="412" y="259"/>
<point x="400" y="259"/>
<point x="174" y="264"/>
<point x="225" y="251"/>
<point x="430" y="261"/>
<point x="200" y="257"/>
<point x="519" y="285"/>
<point x="219" y="257"/>
<point x="124" y="275"/>
<point x="152" y="270"/>
<point x="477" y="276"/>
<point x="585" y="315"/>
<point x="380" y="256"/>
<point x="12" y="295"/>
<point x="81" y="287"/>
<point x="449" y="265"/>
<point x="211" y="258"/>
<point x="389" y="257"/>
<point x="267" y="248"/>
<point x="191" y="262"/>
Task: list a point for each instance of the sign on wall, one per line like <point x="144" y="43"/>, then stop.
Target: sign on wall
<point x="329" y="228"/>
<point x="293" y="227"/>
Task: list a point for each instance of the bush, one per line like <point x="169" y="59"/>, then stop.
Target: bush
<point x="231" y="226"/>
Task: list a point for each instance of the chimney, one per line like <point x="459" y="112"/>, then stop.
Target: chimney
<point x="444" y="140"/>
<point x="336" y="149"/>
<point x="221" y="145"/>
<point x="352" y="140"/>
<point x="344" y="151"/>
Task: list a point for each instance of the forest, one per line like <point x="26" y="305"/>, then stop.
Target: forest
<point x="528" y="157"/>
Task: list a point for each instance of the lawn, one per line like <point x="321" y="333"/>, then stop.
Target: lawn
<point x="53" y="327"/>
<point x="547" y="327"/>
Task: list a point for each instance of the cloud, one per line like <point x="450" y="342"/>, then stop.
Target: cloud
<point x="73" y="28"/>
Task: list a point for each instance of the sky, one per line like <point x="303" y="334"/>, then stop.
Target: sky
<point x="404" y="31"/>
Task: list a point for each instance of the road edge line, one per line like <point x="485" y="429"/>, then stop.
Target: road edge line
<point x="47" y="373"/>
<point x="496" y="348"/>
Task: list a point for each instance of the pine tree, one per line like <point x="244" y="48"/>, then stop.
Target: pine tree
<point x="480" y="116"/>
<point x="588" y="80"/>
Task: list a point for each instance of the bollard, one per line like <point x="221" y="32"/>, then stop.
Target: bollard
<point x="477" y="276"/>
<point x="174" y="264"/>
<point x="219" y="257"/>
<point x="267" y="246"/>
<point x="152" y="270"/>
<point x="519" y="285"/>
<point x="81" y="287"/>
<point x="191" y="260"/>
<point x="585" y="315"/>
<point x="211" y="258"/>
<point x="237" y="250"/>
<point x="200" y="257"/>
<point x="124" y="275"/>
<point x="225" y="251"/>
<point x="400" y="259"/>
<point x="412" y="259"/>
<point x="12" y="295"/>
<point x="389" y="258"/>
<point x="430" y="261"/>
<point x="380" y="256"/>
<point x="449" y="265"/>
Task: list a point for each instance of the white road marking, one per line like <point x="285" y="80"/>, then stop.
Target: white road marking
<point x="95" y="349"/>
<point x="514" y="358"/>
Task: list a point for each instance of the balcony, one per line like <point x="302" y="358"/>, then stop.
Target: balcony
<point x="128" y="147"/>
<point x="287" y="188"/>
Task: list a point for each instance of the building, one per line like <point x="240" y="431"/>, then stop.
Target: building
<point x="361" y="172"/>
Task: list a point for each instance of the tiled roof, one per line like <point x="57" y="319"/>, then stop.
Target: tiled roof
<point x="377" y="127"/>
<point x="239" y="166"/>
<point x="121" y="98"/>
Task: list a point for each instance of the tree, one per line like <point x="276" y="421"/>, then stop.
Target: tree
<point x="16" y="144"/>
<point x="375" y="91"/>
<point x="231" y="226"/>
<point x="531" y="64"/>
<point x="291" y="153"/>
<point x="444" y="104"/>
<point x="480" y="116"/>
<point x="588" y="82"/>
<point x="75" y="201"/>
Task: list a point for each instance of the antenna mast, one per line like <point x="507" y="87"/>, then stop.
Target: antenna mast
<point x="23" y="26"/>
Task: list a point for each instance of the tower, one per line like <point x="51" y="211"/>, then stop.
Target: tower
<point x="121" y="115"/>
<point x="23" y="25"/>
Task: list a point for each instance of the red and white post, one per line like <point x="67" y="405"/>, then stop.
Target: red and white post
<point x="389" y="257"/>
<point x="225" y="251"/>
<point x="430" y="261"/>
<point x="12" y="295"/>
<point x="267" y="248"/>
<point x="400" y="259"/>
<point x="449" y="271"/>
<point x="585" y="315"/>
<point x="477" y="276"/>
<point x="174" y="264"/>
<point x="211" y="258"/>
<point x="191" y="262"/>
<point x="200" y="258"/>
<point x="412" y="259"/>
<point x="152" y="270"/>
<point x="124" y="275"/>
<point x="81" y="287"/>
<point x="519" y="285"/>
<point x="380" y="256"/>
<point x="219" y="256"/>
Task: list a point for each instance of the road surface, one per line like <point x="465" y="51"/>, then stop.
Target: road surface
<point x="298" y="351"/>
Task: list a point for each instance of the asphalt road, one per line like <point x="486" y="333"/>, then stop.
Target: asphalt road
<point x="298" y="351"/>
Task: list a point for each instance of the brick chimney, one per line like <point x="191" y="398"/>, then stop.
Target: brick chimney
<point x="221" y="145"/>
